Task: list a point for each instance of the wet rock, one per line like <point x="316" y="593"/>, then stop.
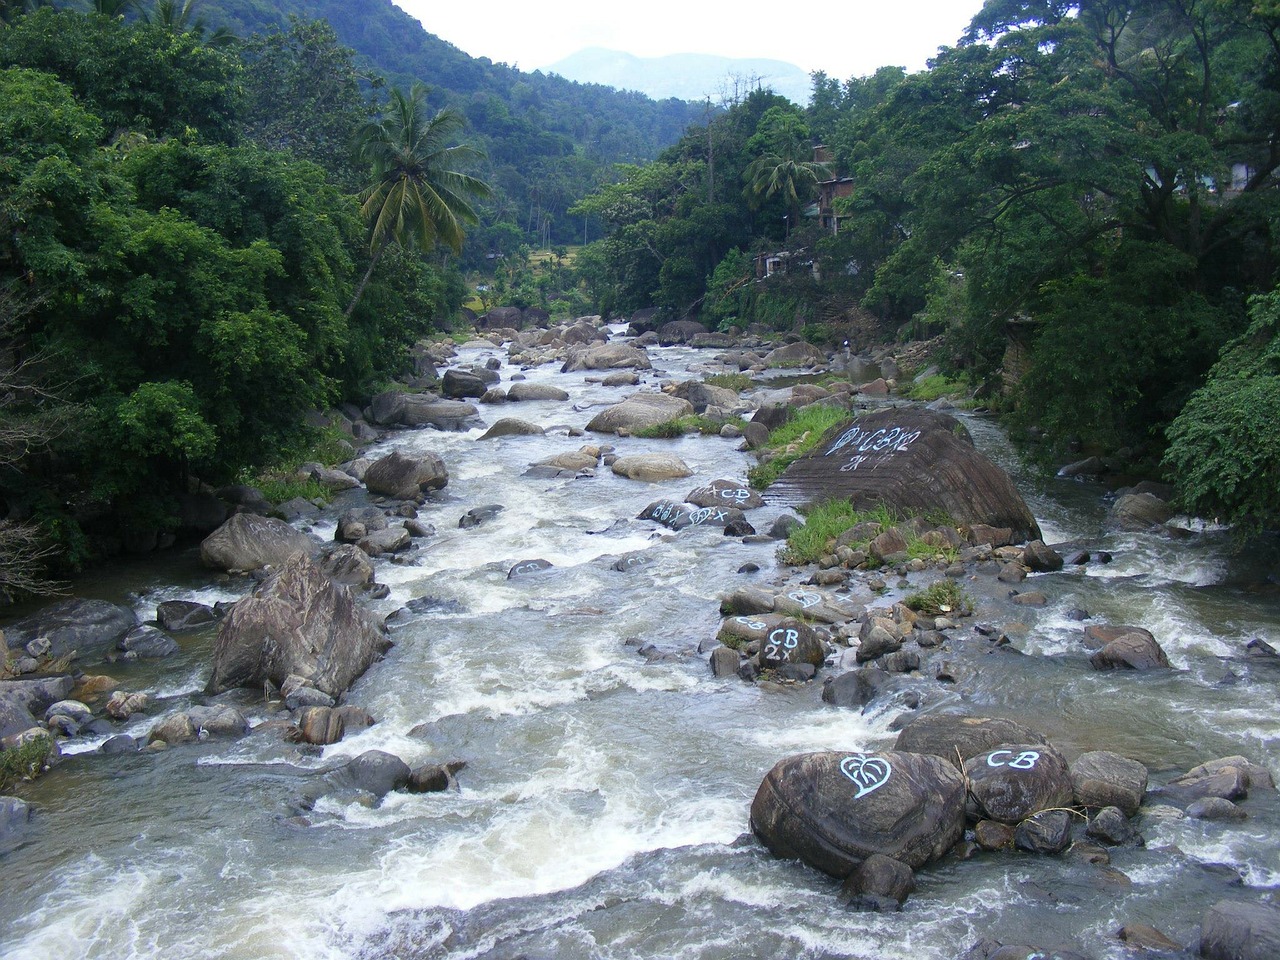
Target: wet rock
<point x="512" y="427"/>
<point x="1112" y="828"/>
<point x="791" y="641"/>
<point x="122" y="705"/>
<point x="1030" y="599"/>
<point x="14" y="815"/>
<point x="606" y="356"/>
<point x="22" y="701"/>
<point x="855" y="689"/>
<point x="902" y="661"/>
<point x="1256" y="777"/>
<point x="331" y="479"/>
<point x="326" y="725"/>
<point x="1140" y="511"/>
<point x="73" y="626"/>
<point x="479" y="515"/>
<point x="988" y="949"/>
<point x="1041" y="559"/>
<point x="425" y="410"/>
<point x="796" y="354"/>
<point x="879" y="459"/>
<point x="1013" y="782"/>
<point x="1232" y="930"/>
<point x="436" y="777"/>
<point x="460" y="383"/>
<point x="1089" y="467"/>
<point x="350" y="565"/>
<point x="218" y="722"/>
<point x="1048" y="832"/>
<point x="638" y="411"/>
<point x="879" y="876"/>
<point x="726" y="493"/>
<point x="981" y="534"/>
<point x="381" y="542"/>
<point x="874" y="640"/>
<point x="1142" y="937"/>
<point x="178" y="615"/>
<point x="404" y="478"/>
<point x="651" y="467"/>
<point x="1012" y="573"/>
<point x="174" y="729"/>
<point x="957" y="738"/>
<point x="249" y="542"/>
<point x="525" y="567"/>
<point x="121" y="743"/>
<point x="623" y="378"/>
<point x="747" y="601"/>
<point x="991" y="835"/>
<point x="795" y="672"/>
<point x="1098" y="635"/>
<point x="147" y="642"/>
<point x="73" y="709"/>
<point x="1104" y="779"/>
<point x="297" y="622"/>
<point x="374" y="771"/>
<point x="834" y="810"/>
<point x="523" y="390"/>
<point x="1133" y="651"/>
<point x="725" y="662"/>
<point x="1215" y="808"/>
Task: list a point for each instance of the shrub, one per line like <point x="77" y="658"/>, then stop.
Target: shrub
<point x="942" y="597"/>
<point x="25" y="762"/>
<point x="736" y="382"/>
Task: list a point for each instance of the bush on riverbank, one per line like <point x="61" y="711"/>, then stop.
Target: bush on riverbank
<point x="791" y="441"/>
<point x="25" y="762"/>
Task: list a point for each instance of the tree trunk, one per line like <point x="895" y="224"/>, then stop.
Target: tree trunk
<point x="364" y="281"/>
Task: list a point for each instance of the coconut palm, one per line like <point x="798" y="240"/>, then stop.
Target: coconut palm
<point x="419" y="196"/>
<point x="789" y="173"/>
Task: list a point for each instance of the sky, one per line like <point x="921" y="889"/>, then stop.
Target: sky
<point x="846" y="39"/>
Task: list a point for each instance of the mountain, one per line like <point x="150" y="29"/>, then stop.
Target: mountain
<point x="550" y="140"/>
<point x="688" y="76"/>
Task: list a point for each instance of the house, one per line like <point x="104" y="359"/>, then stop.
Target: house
<point x="829" y="191"/>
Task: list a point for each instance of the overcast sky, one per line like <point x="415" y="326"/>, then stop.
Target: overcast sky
<point x="846" y="39"/>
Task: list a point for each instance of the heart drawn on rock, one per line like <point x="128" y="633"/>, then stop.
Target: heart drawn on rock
<point x="869" y="774"/>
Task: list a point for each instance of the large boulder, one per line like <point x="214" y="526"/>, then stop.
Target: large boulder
<point x="297" y="623"/>
<point x="1234" y="930"/>
<point x="1016" y="781"/>
<point x="703" y="395"/>
<point x="916" y="462"/>
<point x="638" y="411"/>
<point x="74" y="625"/>
<point x="606" y="356"/>
<point x="834" y="810"/>
<point x="425" y="410"/>
<point x="522" y="390"/>
<point x="799" y="354"/>
<point x="463" y="383"/>
<point x="1131" y="651"/>
<point x="679" y="331"/>
<point x="512" y="427"/>
<point x="1100" y="779"/>
<point x="651" y="467"/>
<point x="405" y="478"/>
<point x="1140" y="511"/>
<point x="956" y="738"/>
<point x="248" y="542"/>
<point x="726" y="493"/>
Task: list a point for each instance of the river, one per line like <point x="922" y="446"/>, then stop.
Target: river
<point x="603" y="809"/>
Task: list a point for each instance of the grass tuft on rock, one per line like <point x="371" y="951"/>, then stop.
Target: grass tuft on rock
<point x="791" y="441"/>
<point x="673" y="429"/>
<point x="737" y="382"/>
<point x="25" y="762"/>
<point x="943" y="598"/>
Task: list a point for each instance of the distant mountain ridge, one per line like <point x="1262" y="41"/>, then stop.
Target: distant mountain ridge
<point x="686" y="76"/>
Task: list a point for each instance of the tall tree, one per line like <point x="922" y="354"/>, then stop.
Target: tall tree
<point x="420" y="195"/>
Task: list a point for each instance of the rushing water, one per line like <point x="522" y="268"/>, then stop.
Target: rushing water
<point x="603" y="809"/>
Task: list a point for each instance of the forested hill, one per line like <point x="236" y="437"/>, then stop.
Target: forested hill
<point x="549" y="140"/>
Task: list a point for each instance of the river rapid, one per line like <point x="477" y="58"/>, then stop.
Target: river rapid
<point x="603" y="809"/>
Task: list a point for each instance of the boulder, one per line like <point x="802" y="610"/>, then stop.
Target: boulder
<point x="1048" y="832"/>
<point x="1038" y="558"/>
<point x="297" y="622"/>
<point x="1227" y="783"/>
<point x="1215" y="808"/>
<point x="879" y="877"/>
<point x="1233" y="930"/>
<point x="606" y="356"/>
<point x="174" y="729"/>
<point x="477" y="516"/>
<point x="425" y="410"/>
<point x="835" y="810"/>
<point x="373" y="771"/>
<point x="248" y="542"/>
<point x="703" y="395"/>
<point x="798" y="354"/>
<point x="22" y="701"/>
<point x="1256" y="777"/>
<point x="958" y="738"/>
<point x="123" y="705"/>
<point x="523" y="390"/>
<point x="526" y="567"/>
<point x="380" y="542"/>
<point x="14" y="814"/>
<point x="855" y="688"/>
<point x="350" y="565"/>
<point x="147" y="642"/>
<point x="512" y="427"/>
<point x="1132" y="651"/>
<point x="325" y="725"/>
<point x="1104" y="779"/>
<point x="1015" y="781"/>
<point x="436" y="777"/>
<point x="462" y="383"/>
<point x="726" y="493"/>
<point x="74" y="625"/>
<point x="791" y="641"/>
<point x="914" y="461"/>
<point x="638" y="411"/>
<point x="679" y="331"/>
<point x="218" y="722"/>
<point x="725" y="662"/>
<point x="651" y="467"/>
<point x="1140" y="511"/>
<point x="406" y="477"/>
<point x="178" y="615"/>
<point x="1111" y="828"/>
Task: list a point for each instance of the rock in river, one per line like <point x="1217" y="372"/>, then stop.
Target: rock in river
<point x="297" y="622"/>
<point x="915" y="461"/>
<point x="834" y="810"/>
<point x="1017" y="780"/>
<point x="404" y="478"/>
<point x="248" y="542"/>
<point x="84" y="626"/>
<point x="638" y="411"/>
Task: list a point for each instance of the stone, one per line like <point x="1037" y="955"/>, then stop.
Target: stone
<point x="855" y="689"/>
<point x="73" y="626"/>
<point x="1227" y="784"/>
<point x="791" y="641"/>
<point x="147" y="642"/>
<point x="875" y="641"/>
<point x="374" y="771"/>
<point x="605" y="356"/>
<point x="526" y="567"/>
<point x="1098" y="635"/>
<point x="1147" y="938"/>
<point x="1104" y="779"/>
<point x="297" y="622"/>
<point x="323" y="725"/>
<point x="121" y="743"/>
<point x="122" y="705"/>
<point x="249" y="542"/>
<point x="638" y="411"/>
<point x="1048" y="833"/>
<point x="380" y="542"/>
<point x="992" y="835"/>
<point x="436" y="777"/>
<point x="458" y="384"/>
<point x="1015" y="781"/>
<point x="477" y="516"/>
<point x="1112" y="828"/>
<point x="1038" y="558"/>
<point x="1215" y="808"/>
<point x="218" y="722"/>
<point x="879" y="876"/>
<point x="331" y="479"/>
<point x="957" y="738"/>
<point x="349" y="565"/>
<point x="834" y="810"/>
<point x="651" y="467"/>
<point x="726" y="493"/>
<point x="174" y="729"/>
<point x="512" y="427"/>
<point x="175" y="616"/>
<point x="22" y="701"/>
<point x="404" y="477"/>
<point x="1133" y="651"/>
<point x="879" y="459"/>
<point x="796" y="354"/>
<point x="725" y="662"/>
<point x="425" y="410"/>
<point x="524" y="390"/>
<point x="1256" y="776"/>
<point x="1140" y="511"/>
<point x="745" y="601"/>
<point x="1232" y="930"/>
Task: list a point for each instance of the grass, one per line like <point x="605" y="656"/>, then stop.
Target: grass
<point x="279" y="487"/>
<point x="737" y="382"/>
<point x="671" y="429"/>
<point x="938" y="385"/>
<point x="25" y="762"/>
<point x="826" y="522"/>
<point x="793" y="440"/>
<point x="941" y="598"/>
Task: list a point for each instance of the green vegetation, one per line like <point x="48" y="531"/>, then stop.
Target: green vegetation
<point x="737" y="382"/>
<point x="279" y="487"/>
<point x="25" y="762"/>
<point x="944" y="597"/>
<point x="789" y="442"/>
<point x="824" y="523"/>
<point x="931" y="388"/>
<point x="678" y="427"/>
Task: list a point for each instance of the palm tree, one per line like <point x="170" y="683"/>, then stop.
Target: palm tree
<point x="418" y="197"/>
<point x="113" y="8"/>
<point x="179" y="16"/>
<point x="11" y="10"/>
<point x="788" y="173"/>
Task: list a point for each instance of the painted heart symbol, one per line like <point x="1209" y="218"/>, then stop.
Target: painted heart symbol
<point x="868" y="773"/>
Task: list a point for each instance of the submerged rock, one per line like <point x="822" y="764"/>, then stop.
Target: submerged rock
<point x="1232" y="930"/>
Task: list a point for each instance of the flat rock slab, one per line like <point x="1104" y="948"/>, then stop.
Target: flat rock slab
<point x="77" y="624"/>
<point x="651" y="467"/>
<point x="638" y="411"/>
<point x="915" y="461"/>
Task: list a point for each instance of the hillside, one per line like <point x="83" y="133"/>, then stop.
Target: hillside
<point x="549" y="139"/>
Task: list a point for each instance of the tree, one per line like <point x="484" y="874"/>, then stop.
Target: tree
<point x="420" y="196"/>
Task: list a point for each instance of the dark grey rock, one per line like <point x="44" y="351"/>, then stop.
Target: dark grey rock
<point x="1233" y="930"/>
<point x="1015" y="781"/>
<point x="1048" y="832"/>
<point x="248" y="542"/>
<point x="148" y="642"/>
<point x="75" y="625"/>
<point x="1112" y="828"/>
<point x="956" y="738"/>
